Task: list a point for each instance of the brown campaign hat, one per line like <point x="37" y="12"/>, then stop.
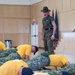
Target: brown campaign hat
<point x="45" y="9"/>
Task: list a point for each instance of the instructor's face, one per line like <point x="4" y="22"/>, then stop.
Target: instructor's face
<point x="45" y="14"/>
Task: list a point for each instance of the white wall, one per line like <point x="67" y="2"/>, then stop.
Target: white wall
<point x="19" y="2"/>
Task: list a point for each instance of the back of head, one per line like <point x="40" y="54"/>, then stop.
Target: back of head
<point x="64" y="73"/>
<point x="27" y="71"/>
<point x="36" y="49"/>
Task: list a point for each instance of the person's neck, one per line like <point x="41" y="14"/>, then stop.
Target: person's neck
<point x="46" y="16"/>
<point x="20" y="71"/>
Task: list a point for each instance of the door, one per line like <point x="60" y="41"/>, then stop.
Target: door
<point x="34" y="34"/>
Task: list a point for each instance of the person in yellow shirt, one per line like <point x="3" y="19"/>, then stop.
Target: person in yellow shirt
<point x="25" y="50"/>
<point x="45" y="60"/>
<point x="56" y="60"/>
<point x="2" y="46"/>
<point x="15" y="67"/>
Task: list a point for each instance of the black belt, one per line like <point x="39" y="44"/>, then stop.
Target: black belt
<point x="48" y="28"/>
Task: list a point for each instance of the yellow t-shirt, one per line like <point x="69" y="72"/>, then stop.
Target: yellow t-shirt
<point x="58" y="60"/>
<point x="24" y="50"/>
<point x="2" y="46"/>
<point x="12" y="67"/>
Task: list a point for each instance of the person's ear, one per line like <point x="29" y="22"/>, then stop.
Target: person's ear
<point x="68" y="63"/>
<point x="60" y="73"/>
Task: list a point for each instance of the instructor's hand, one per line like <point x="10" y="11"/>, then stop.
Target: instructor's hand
<point x="52" y="37"/>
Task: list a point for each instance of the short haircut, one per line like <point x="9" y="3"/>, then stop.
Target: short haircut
<point x="27" y="71"/>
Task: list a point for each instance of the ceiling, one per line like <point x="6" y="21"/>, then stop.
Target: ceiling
<point x="34" y="1"/>
<point x="19" y="2"/>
